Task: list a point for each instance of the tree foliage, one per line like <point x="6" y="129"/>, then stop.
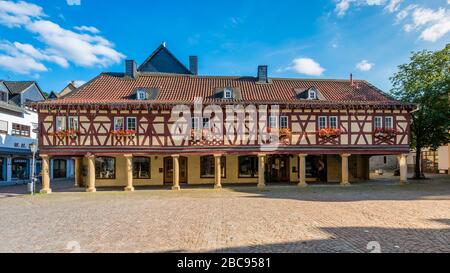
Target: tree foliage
<point x="425" y="81"/>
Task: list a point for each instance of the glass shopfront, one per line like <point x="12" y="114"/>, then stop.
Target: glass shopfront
<point x="20" y="169"/>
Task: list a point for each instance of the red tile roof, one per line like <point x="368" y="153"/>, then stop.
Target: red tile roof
<point x="109" y="88"/>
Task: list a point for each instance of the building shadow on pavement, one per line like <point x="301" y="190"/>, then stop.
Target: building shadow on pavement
<point x="362" y="240"/>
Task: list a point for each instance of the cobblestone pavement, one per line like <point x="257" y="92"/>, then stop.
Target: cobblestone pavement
<point x="410" y="218"/>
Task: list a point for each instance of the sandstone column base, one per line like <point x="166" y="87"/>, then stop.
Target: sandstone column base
<point x="176" y="188"/>
<point x="91" y="190"/>
<point x="302" y="185"/>
<point x="129" y="189"/>
<point x="46" y="191"/>
<point x="217" y="187"/>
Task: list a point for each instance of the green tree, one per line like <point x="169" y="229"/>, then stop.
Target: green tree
<point x="425" y="81"/>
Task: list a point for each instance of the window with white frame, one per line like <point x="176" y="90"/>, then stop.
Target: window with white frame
<point x="73" y="123"/>
<point x="60" y="123"/>
<point x="206" y="123"/>
<point x="388" y="123"/>
<point x="322" y="123"/>
<point x="228" y="93"/>
<point x="3" y="127"/>
<point x="312" y="94"/>
<point x="119" y="123"/>
<point x="378" y="122"/>
<point x="141" y="95"/>
<point x="273" y="122"/>
<point x="195" y="123"/>
<point x="284" y="122"/>
<point x="131" y="123"/>
<point x="333" y="122"/>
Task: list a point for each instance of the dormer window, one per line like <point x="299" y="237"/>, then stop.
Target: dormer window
<point x="312" y="94"/>
<point x="141" y="95"/>
<point x="228" y="93"/>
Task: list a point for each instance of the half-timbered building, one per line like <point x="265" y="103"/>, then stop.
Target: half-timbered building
<point x="122" y="128"/>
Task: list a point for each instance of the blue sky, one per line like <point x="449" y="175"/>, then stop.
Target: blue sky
<point x="57" y="41"/>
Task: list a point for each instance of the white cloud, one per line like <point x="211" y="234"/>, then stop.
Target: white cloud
<point x="404" y="12"/>
<point x="15" y="14"/>
<point x="93" y="30"/>
<point x="393" y="5"/>
<point x="305" y="66"/>
<point x="364" y="66"/>
<point x="73" y="2"/>
<point x="21" y="64"/>
<point x="342" y="7"/>
<point x="62" y="46"/>
<point x="433" y="24"/>
<point x="78" y="83"/>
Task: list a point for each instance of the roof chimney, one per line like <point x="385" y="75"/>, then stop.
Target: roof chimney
<point x="351" y="79"/>
<point x="193" y="64"/>
<point x="130" y="69"/>
<point x="262" y="74"/>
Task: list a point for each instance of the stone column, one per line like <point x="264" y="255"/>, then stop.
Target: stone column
<point x="45" y="175"/>
<point x="78" y="171"/>
<point x="302" y="170"/>
<point x="218" y="171"/>
<point x="403" y="163"/>
<point x="345" y="175"/>
<point x="261" y="171"/>
<point x="129" y="170"/>
<point x="176" y="172"/>
<point x="91" y="174"/>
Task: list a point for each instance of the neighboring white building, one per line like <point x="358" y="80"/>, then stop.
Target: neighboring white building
<point x="18" y="129"/>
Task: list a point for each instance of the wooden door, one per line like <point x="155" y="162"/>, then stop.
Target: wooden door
<point x="168" y="170"/>
<point x="278" y="168"/>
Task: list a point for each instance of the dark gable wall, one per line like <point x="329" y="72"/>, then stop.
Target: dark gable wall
<point x="164" y="62"/>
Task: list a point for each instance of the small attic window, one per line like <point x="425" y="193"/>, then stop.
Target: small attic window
<point x="312" y="94"/>
<point x="141" y="95"/>
<point x="228" y="93"/>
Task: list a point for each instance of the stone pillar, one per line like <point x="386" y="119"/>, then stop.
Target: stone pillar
<point x="129" y="170"/>
<point x="302" y="170"/>
<point x="91" y="174"/>
<point x="45" y="175"/>
<point x="261" y="171"/>
<point x="218" y="171"/>
<point x="403" y="163"/>
<point x="176" y="172"/>
<point x="345" y="176"/>
<point x="78" y="171"/>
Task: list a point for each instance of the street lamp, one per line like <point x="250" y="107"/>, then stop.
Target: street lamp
<point x="33" y="148"/>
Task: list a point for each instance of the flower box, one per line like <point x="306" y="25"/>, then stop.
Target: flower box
<point x="329" y="133"/>
<point x="120" y="135"/>
<point x="383" y="133"/>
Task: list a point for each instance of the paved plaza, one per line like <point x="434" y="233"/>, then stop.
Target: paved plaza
<point x="320" y="218"/>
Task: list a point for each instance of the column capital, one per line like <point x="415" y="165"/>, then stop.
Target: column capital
<point x="89" y="156"/>
<point x="346" y="155"/>
<point x="175" y="156"/>
<point x="128" y="155"/>
<point x="218" y="155"/>
<point x="302" y="155"/>
<point x="44" y="156"/>
<point x="262" y="155"/>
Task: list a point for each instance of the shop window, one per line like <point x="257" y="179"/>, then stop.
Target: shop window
<point x="248" y="166"/>
<point x="141" y="167"/>
<point x="208" y="166"/>
<point x="20" y="169"/>
<point x="105" y="168"/>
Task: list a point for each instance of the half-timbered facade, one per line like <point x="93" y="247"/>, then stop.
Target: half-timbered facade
<point x="161" y="123"/>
